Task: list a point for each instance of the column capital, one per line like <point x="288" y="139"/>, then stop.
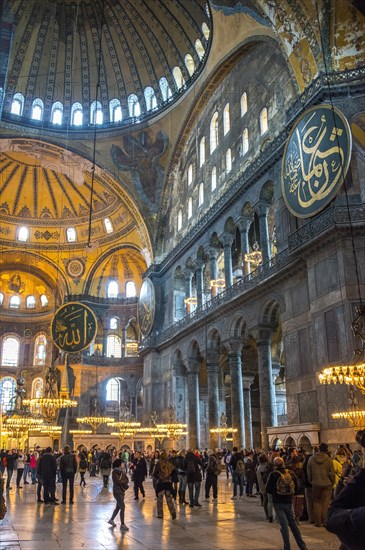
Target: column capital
<point x="262" y="334"/>
<point x="212" y="359"/>
<point x="188" y="273"/>
<point x="262" y="208"/>
<point x="247" y="381"/>
<point x="213" y="252"/>
<point x="226" y="238"/>
<point x="199" y="263"/>
<point x="193" y="365"/>
<point x="243" y="223"/>
<point x="234" y="346"/>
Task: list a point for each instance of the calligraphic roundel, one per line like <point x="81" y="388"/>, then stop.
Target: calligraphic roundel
<point x="316" y="159"/>
<point x="146" y="307"/>
<point x="73" y="327"/>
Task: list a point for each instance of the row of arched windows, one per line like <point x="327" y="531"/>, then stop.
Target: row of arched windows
<point x="113" y="289"/>
<point x="15" y="301"/>
<point x="71" y="233"/>
<point x="11" y="347"/>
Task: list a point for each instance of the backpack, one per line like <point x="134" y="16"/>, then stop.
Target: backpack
<point x="285" y="485"/>
<point x="83" y="464"/>
<point x="190" y="468"/>
<point x="240" y="467"/>
<point x="218" y="468"/>
<point x="105" y="463"/>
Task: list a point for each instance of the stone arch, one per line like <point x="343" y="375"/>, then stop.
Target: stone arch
<point x="214" y="340"/>
<point x="230" y="226"/>
<point x="247" y="210"/>
<point x="267" y="192"/>
<point x="194" y="350"/>
<point x="238" y="327"/>
<point x="178" y="363"/>
<point x="289" y="441"/>
<point x="270" y="311"/>
<point x="305" y="442"/>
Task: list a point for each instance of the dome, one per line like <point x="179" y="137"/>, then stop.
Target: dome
<point x="147" y="56"/>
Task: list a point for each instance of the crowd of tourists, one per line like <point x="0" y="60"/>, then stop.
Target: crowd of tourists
<point x="293" y="485"/>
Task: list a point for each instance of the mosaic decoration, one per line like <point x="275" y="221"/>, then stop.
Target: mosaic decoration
<point x="47" y="235"/>
<point x="73" y="327"/>
<point x="146" y="307"/>
<point x="75" y="268"/>
<point x="16" y="284"/>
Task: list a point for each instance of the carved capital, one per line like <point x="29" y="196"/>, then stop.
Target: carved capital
<point x="262" y="335"/>
<point x="243" y="223"/>
<point x="188" y="273"/>
<point x="213" y="253"/>
<point x="199" y="264"/>
<point x="247" y="381"/>
<point x="193" y="365"/>
<point x="234" y="346"/>
<point x="262" y="208"/>
<point x="227" y="239"/>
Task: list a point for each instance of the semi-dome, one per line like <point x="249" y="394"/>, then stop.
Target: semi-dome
<point x="146" y="57"/>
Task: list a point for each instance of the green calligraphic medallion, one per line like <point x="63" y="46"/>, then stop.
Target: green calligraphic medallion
<point x="316" y="159"/>
<point x="146" y="307"/>
<point x="73" y="327"/>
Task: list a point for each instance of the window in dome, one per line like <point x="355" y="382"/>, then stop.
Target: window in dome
<point x="245" y="141"/>
<point x="40" y="347"/>
<point x="130" y="289"/>
<point x="17" y="104"/>
<point x="7" y="392"/>
<point x="10" y="354"/>
<point x="108" y="225"/>
<point x="30" y="302"/>
<point x="201" y="194"/>
<point x="113" y="290"/>
<point x="165" y="89"/>
<point x="113" y="323"/>
<point x="199" y="48"/>
<point x="23" y="234"/>
<point x="228" y="161"/>
<point x="37" y="109"/>
<point x="263" y="121"/>
<point x="214" y="132"/>
<point x="113" y="346"/>
<point x="14" y="302"/>
<point x="71" y="235"/>
<point x="214" y="178"/>
<point x="206" y="31"/>
<point x="226" y="120"/>
<point x="179" y="79"/>
<point x="150" y="99"/>
<point x="1" y="298"/>
<point x="243" y="103"/>
<point x="190" y="208"/>
<point x="115" y="110"/>
<point x="76" y="114"/>
<point x="179" y="220"/>
<point x="96" y="113"/>
<point x="37" y="388"/>
<point x="190" y="65"/>
<point x="57" y="113"/>
<point x="190" y="174"/>
<point x="202" y="151"/>
<point x="134" y="106"/>
<point x="44" y="300"/>
<point x="113" y="389"/>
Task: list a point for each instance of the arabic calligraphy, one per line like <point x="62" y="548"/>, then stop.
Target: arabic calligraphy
<point x="316" y="159"/>
<point x="73" y="327"/>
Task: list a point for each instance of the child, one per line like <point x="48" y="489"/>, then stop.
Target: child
<point x="120" y="485"/>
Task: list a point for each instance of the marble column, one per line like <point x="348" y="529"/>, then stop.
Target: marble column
<point x="213" y="255"/>
<point x="124" y="341"/>
<point x="267" y="392"/>
<point x="275" y="369"/>
<point x="193" y="404"/>
<point x="199" y="281"/>
<point x="262" y="212"/>
<point x="244" y="226"/>
<point x="247" y="382"/>
<point x="235" y="369"/>
<point x="227" y="240"/>
<point x="213" y="397"/>
<point x="105" y="342"/>
<point x="188" y="274"/>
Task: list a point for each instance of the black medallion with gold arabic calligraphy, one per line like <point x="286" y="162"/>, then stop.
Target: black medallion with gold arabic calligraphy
<point x="73" y="327"/>
<point x="146" y="307"/>
<point x="316" y="158"/>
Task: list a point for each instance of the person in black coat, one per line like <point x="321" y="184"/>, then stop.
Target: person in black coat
<point x="139" y="469"/>
<point x="11" y="458"/>
<point x="46" y="471"/>
<point x="192" y="466"/>
<point x="68" y="467"/>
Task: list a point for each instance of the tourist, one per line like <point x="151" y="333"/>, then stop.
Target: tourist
<point x="227" y="460"/>
<point x="139" y="469"/>
<point x="181" y="474"/>
<point x="321" y="474"/>
<point x="46" y="471"/>
<point x="238" y="472"/>
<point x="213" y="470"/>
<point x="192" y="465"/>
<point x="68" y="468"/>
<point x="250" y="475"/>
<point x="33" y="467"/>
<point x="105" y="465"/>
<point x="11" y="458"/>
<point x="19" y="468"/>
<point x="82" y="467"/>
<point x="26" y="467"/>
<point x="120" y="485"/>
<point x="260" y="473"/>
<point x="174" y="476"/>
<point x="163" y="475"/>
<point x="153" y="464"/>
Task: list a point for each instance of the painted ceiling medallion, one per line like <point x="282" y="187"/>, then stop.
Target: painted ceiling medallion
<point x="75" y="268"/>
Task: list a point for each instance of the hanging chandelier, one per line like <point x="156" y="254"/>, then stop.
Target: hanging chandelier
<point x="124" y="428"/>
<point x="355" y="417"/>
<point x="80" y="432"/>
<point x="254" y="257"/>
<point x="218" y="283"/>
<point x="172" y="429"/>
<point x="223" y="430"/>
<point x="191" y="301"/>
<point x="94" y="421"/>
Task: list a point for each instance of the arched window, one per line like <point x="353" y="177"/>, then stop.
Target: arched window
<point x="23" y="234"/>
<point x="37" y="388"/>
<point x="57" y="113"/>
<point x="202" y="151"/>
<point x="10" y="351"/>
<point x="113" y="346"/>
<point x="37" y="109"/>
<point x="7" y="392"/>
<point x="165" y="89"/>
<point x="14" y="302"/>
<point x="130" y="289"/>
<point x="40" y="348"/>
<point x="71" y="235"/>
<point x="226" y="120"/>
<point x="214" y="178"/>
<point x="113" y="323"/>
<point x="179" y="220"/>
<point x="17" y="104"/>
<point x="115" y="110"/>
<point x="30" y="302"/>
<point x="199" y="48"/>
<point x="243" y="103"/>
<point x="214" y="132"/>
<point x="1" y="298"/>
<point x="96" y="113"/>
<point x="205" y="30"/>
<point x="108" y="225"/>
<point x="76" y="114"/>
<point x="228" y="160"/>
<point x="113" y="290"/>
<point x="134" y="107"/>
<point x="190" y="208"/>
<point x="245" y="141"/>
<point x="179" y="79"/>
<point x="44" y="300"/>
<point x="113" y="390"/>
<point x="263" y="121"/>
<point x="150" y="98"/>
<point x="190" y="174"/>
<point x="189" y="63"/>
<point x="201" y="194"/>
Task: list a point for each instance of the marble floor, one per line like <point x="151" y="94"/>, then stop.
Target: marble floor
<point x="225" y="525"/>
